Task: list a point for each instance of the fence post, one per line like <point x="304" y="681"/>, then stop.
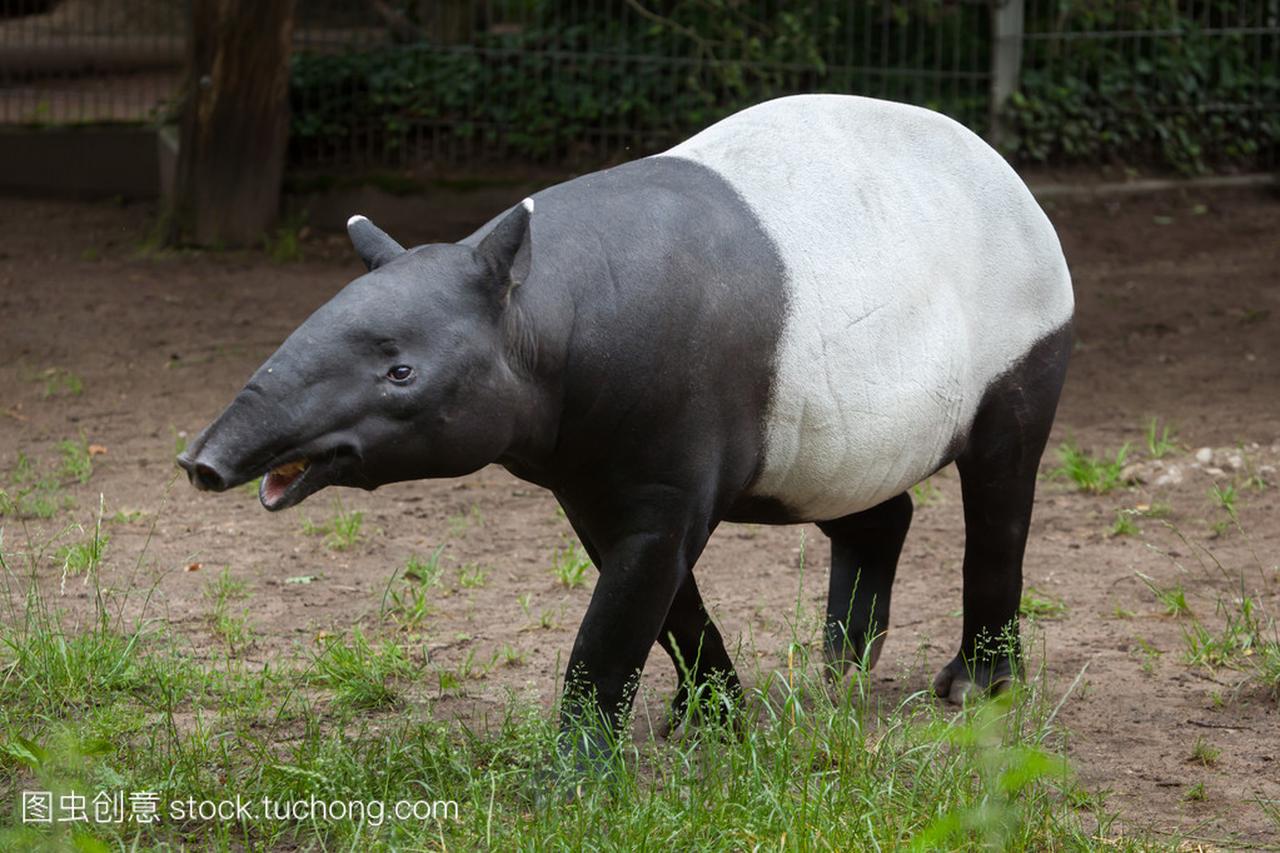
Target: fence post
<point x="1006" y="63"/>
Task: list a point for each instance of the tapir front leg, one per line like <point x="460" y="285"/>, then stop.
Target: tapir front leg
<point x="646" y="547"/>
<point x="687" y="635"/>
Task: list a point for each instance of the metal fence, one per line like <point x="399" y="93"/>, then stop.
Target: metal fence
<point x="594" y="80"/>
<point x="420" y="83"/>
<point x="1183" y="83"/>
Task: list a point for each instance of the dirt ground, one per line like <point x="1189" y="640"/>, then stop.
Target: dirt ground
<point x="1178" y="317"/>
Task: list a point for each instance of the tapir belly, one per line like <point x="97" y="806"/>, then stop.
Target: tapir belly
<point x="918" y="270"/>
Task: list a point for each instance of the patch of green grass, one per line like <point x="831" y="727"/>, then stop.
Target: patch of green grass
<point x="1242" y="634"/>
<point x="1225" y="498"/>
<point x="1156" y="510"/>
<point x="78" y="558"/>
<point x="1204" y="753"/>
<point x="1150" y="654"/>
<point x="510" y="656"/>
<point x="123" y="516"/>
<point x="360" y="675"/>
<point x="32" y="494"/>
<point x="472" y="576"/>
<point x="1195" y="793"/>
<point x="232" y="628"/>
<point x="1124" y="525"/>
<point x="104" y="706"/>
<point x="1161" y="440"/>
<point x="1173" y="598"/>
<point x="284" y="245"/>
<point x="1095" y="475"/>
<point x="60" y="382"/>
<point x="571" y="565"/>
<point x="341" y="531"/>
<point x="410" y="603"/>
<point x="77" y="460"/>
<point x="1039" y="605"/>
<point x="925" y="493"/>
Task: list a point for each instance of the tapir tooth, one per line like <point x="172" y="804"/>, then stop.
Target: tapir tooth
<point x="290" y="468"/>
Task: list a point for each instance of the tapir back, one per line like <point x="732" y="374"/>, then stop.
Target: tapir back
<point x="919" y="269"/>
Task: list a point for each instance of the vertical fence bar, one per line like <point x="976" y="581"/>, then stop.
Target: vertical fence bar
<point x="1007" y="20"/>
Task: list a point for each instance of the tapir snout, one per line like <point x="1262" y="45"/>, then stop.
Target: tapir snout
<point x="204" y="476"/>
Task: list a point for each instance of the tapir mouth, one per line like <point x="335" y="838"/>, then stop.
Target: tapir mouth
<point x="286" y="484"/>
<point x="277" y="482"/>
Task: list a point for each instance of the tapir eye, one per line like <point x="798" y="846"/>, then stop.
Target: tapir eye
<point x="400" y="373"/>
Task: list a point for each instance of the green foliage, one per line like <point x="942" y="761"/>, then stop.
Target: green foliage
<point x="1186" y="100"/>
<point x="559" y="84"/>
<point x="80" y="557"/>
<point x="410" y="603"/>
<point x="232" y="628"/>
<point x="60" y="382"/>
<point x="1090" y="474"/>
<point x="359" y="674"/>
<point x="571" y="565"/>
<point x="1245" y="633"/>
<point x="545" y="88"/>
<point x="88" y="707"/>
<point x="472" y="576"/>
<point x="284" y="245"/>
<point x="925" y="493"/>
<point x="77" y="461"/>
<point x="33" y="494"/>
<point x="1040" y="605"/>
<point x="1226" y="498"/>
<point x="1205" y="753"/>
<point x="341" y="531"/>
<point x="1173" y="598"/>
<point x="1124" y="525"/>
<point x="1160" y="440"/>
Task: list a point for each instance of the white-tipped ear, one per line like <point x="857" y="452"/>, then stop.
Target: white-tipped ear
<point x="372" y="244"/>
<point x="506" y="248"/>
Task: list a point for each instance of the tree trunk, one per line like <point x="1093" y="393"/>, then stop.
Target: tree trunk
<point x="235" y="122"/>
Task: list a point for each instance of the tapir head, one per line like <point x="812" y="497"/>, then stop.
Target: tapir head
<point x="402" y="375"/>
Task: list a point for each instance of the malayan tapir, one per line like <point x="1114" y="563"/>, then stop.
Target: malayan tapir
<point x="794" y="316"/>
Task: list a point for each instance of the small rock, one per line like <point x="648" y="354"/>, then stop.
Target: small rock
<point x="1215" y="472"/>
<point x="1204" y="455"/>
<point x="1265" y="471"/>
<point x="1171" y="477"/>
<point x="1133" y="473"/>
<point x="1235" y="461"/>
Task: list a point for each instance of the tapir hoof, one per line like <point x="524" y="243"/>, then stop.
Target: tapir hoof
<point x="843" y="657"/>
<point x="961" y="681"/>
<point x="721" y="707"/>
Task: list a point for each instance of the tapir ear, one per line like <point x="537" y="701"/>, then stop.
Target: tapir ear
<point x="372" y="243"/>
<point x="506" y="249"/>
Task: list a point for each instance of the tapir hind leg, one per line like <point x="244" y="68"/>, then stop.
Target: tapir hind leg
<point x="997" y="481"/>
<point x="865" y="547"/>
